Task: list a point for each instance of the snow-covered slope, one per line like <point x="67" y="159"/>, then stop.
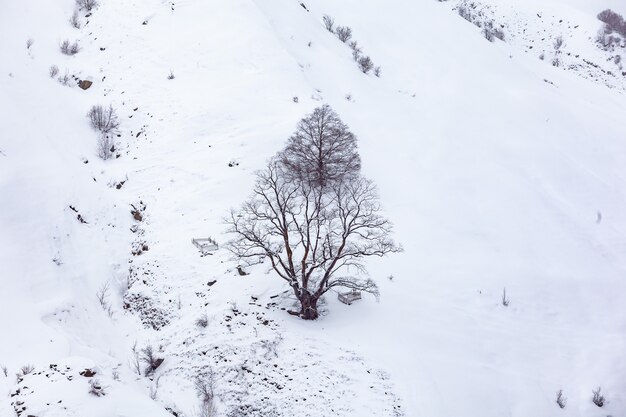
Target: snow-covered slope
<point x="497" y="169"/>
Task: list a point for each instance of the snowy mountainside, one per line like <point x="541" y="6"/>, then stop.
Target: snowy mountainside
<point x="493" y="177"/>
<point x="537" y="29"/>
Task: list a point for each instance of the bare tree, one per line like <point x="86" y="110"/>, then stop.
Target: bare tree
<point x="105" y="146"/>
<point x="315" y="237"/>
<point x="322" y="150"/>
<point x="205" y="389"/>
<point x="149" y="357"/>
<point x="103" y="119"/>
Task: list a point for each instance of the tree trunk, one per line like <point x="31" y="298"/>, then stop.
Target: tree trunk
<point x="308" y="303"/>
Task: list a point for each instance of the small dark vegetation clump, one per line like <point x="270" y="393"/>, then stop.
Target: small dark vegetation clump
<point x="561" y="400"/>
<point x="150" y="359"/>
<point x="88" y="5"/>
<point x="96" y="389"/>
<point x="613" y="32"/>
<point x="202" y="321"/>
<point x="329" y="23"/>
<point x="53" y="71"/>
<point x="344" y="33"/>
<point x="75" y="20"/>
<point x="597" y="398"/>
<point x="69" y="48"/>
<point x="490" y="29"/>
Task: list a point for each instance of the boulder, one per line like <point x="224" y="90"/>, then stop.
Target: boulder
<point x="85" y="84"/>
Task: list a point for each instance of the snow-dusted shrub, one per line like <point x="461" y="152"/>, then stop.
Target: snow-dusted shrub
<point x="103" y="119"/>
<point x="558" y="45"/>
<point x="53" y="71"/>
<point x="365" y="64"/>
<point x="560" y="399"/>
<point x="202" y="321"/>
<point x="5" y="370"/>
<point x="75" y="20"/>
<point x="205" y="389"/>
<point x="356" y="51"/>
<point x="614" y="21"/>
<point x="329" y="23"/>
<point x="171" y="75"/>
<point x="491" y="31"/>
<point x="465" y="12"/>
<point x="26" y="369"/>
<point x="106" y="150"/>
<point x="95" y="388"/>
<point x="344" y="33"/>
<point x="88" y="5"/>
<point x="378" y="71"/>
<point x="597" y="398"/>
<point x="29" y="42"/>
<point x="68" y="48"/>
<point x="65" y="79"/>
<point x="152" y="362"/>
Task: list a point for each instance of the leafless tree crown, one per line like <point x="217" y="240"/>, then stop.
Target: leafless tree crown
<point x="322" y="151"/>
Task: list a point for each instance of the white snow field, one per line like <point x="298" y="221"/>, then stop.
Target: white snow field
<point x="497" y="169"/>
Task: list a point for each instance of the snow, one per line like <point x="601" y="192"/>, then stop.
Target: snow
<point x="497" y="169"/>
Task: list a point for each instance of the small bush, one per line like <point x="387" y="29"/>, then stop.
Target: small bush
<point x="95" y="388"/>
<point x="365" y="64"/>
<point x="75" y="20"/>
<point x="26" y="369"/>
<point x="68" y="48"/>
<point x="5" y="370"/>
<point x="329" y="23"/>
<point x="65" y="79"/>
<point x="505" y="300"/>
<point x="150" y="359"/>
<point x="356" y="51"/>
<point x="88" y="5"/>
<point x="171" y="75"/>
<point x="53" y="71"/>
<point x="597" y="398"/>
<point x="205" y="389"/>
<point x="202" y="321"/>
<point x="344" y="33"/>
<point x="102" y="119"/>
<point x="378" y="71"/>
<point x="29" y="42"/>
<point x="560" y="399"/>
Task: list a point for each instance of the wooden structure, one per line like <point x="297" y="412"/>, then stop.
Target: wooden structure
<point x="349" y="297"/>
<point x="205" y="245"/>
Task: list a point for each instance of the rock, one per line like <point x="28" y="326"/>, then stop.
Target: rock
<point x="88" y="373"/>
<point x="85" y="84"/>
